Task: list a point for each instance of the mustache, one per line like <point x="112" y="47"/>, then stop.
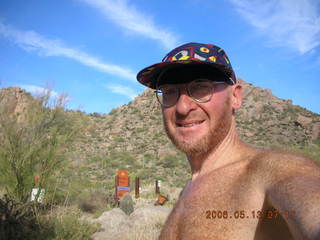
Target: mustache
<point x="189" y="117"/>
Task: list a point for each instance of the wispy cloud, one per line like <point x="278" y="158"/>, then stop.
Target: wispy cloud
<point x="130" y="19"/>
<point x="39" y="90"/>
<point x="123" y="90"/>
<point x="54" y="97"/>
<point x="32" y="41"/>
<point x="289" y="23"/>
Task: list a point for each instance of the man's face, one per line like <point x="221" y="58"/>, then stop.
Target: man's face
<point x="197" y="128"/>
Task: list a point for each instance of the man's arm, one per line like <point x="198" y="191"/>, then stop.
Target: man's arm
<point x="297" y="197"/>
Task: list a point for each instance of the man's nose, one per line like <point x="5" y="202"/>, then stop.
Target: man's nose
<point x="185" y="103"/>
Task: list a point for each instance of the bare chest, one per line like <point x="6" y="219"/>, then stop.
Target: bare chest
<point x="226" y="205"/>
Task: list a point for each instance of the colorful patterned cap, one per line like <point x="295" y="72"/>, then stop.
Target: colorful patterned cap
<point x="190" y="53"/>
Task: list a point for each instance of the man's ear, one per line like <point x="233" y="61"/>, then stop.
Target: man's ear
<point x="236" y="98"/>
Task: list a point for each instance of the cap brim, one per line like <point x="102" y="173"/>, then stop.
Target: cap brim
<point x="149" y="75"/>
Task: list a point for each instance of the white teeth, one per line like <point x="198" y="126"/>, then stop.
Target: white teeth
<point x="190" y="124"/>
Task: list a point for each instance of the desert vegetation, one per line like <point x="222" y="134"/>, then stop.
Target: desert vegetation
<point x="34" y="140"/>
<point x="74" y="157"/>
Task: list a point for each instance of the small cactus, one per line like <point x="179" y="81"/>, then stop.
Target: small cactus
<point x="126" y="204"/>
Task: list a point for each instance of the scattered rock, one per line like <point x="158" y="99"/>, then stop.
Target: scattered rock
<point x="316" y="131"/>
<point x="304" y="121"/>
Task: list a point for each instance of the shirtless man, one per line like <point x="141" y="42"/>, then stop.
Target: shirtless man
<point x="237" y="191"/>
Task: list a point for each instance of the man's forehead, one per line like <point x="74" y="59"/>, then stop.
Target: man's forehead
<point x="184" y="74"/>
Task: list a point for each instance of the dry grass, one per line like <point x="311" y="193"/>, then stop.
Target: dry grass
<point x="66" y="223"/>
<point x="149" y="231"/>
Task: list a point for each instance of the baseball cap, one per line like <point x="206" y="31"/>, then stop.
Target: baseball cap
<point x="190" y="56"/>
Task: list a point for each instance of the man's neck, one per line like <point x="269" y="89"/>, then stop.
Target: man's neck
<point x="227" y="152"/>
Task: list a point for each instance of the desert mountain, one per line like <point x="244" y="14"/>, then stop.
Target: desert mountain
<point x="132" y="136"/>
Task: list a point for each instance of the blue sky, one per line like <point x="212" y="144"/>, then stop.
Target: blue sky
<point x="92" y="49"/>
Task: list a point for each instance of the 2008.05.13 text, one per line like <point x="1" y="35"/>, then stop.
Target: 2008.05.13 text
<point x="242" y="214"/>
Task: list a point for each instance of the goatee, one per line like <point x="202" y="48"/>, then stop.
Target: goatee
<point x="209" y="141"/>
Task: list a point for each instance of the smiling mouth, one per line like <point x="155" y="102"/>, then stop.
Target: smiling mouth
<point x="191" y="124"/>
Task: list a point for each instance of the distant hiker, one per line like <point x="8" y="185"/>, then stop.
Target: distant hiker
<point x="237" y="191"/>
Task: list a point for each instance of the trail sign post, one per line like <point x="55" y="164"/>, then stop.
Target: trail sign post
<point x="158" y="185"/>
<point x="137" y="187"/>
<point x="36" y="193"/>
<point x="122" y="184"/>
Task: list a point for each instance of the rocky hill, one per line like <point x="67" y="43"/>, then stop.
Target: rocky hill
<point x="132" y="136"/>
<point x="15" y="101"/>
<point x="263" y="120"/>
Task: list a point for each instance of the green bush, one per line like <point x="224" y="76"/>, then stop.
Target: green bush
<point x="33" y="143"/>
<point x="21" y="221"/>
<point x="70" y="227"/>
<point x="126" y="204"/>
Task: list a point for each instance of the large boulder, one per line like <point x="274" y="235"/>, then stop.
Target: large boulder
<point x="112" y="222"/>
<point x="144" y="223"/>
<point x="149" y="215"/>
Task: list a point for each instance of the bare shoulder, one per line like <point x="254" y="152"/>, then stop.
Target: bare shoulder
<point x="292" y="184"/>
<point x="274" y="165"/>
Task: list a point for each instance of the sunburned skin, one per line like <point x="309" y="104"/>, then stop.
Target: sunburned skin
<point x="263" y="180"/>
<point x="237" y="191"/>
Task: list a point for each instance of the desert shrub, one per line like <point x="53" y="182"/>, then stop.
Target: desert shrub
<point x="118" y="139"/>
<point x="96" y="115"/>
<point x="19" y="221"/>
<point x="146" y="173"/>
<point x="28" y="221"/>
<point x="118" y="159"/>
<point x="96" y="201"/>
<point x="311" y="150"/>
<point x="72" y="227"/>
<point x="113" y="112"/>
<point x="33" y="143"/>
<point x="170" y="161"/>
<point x="126" y="204"/>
